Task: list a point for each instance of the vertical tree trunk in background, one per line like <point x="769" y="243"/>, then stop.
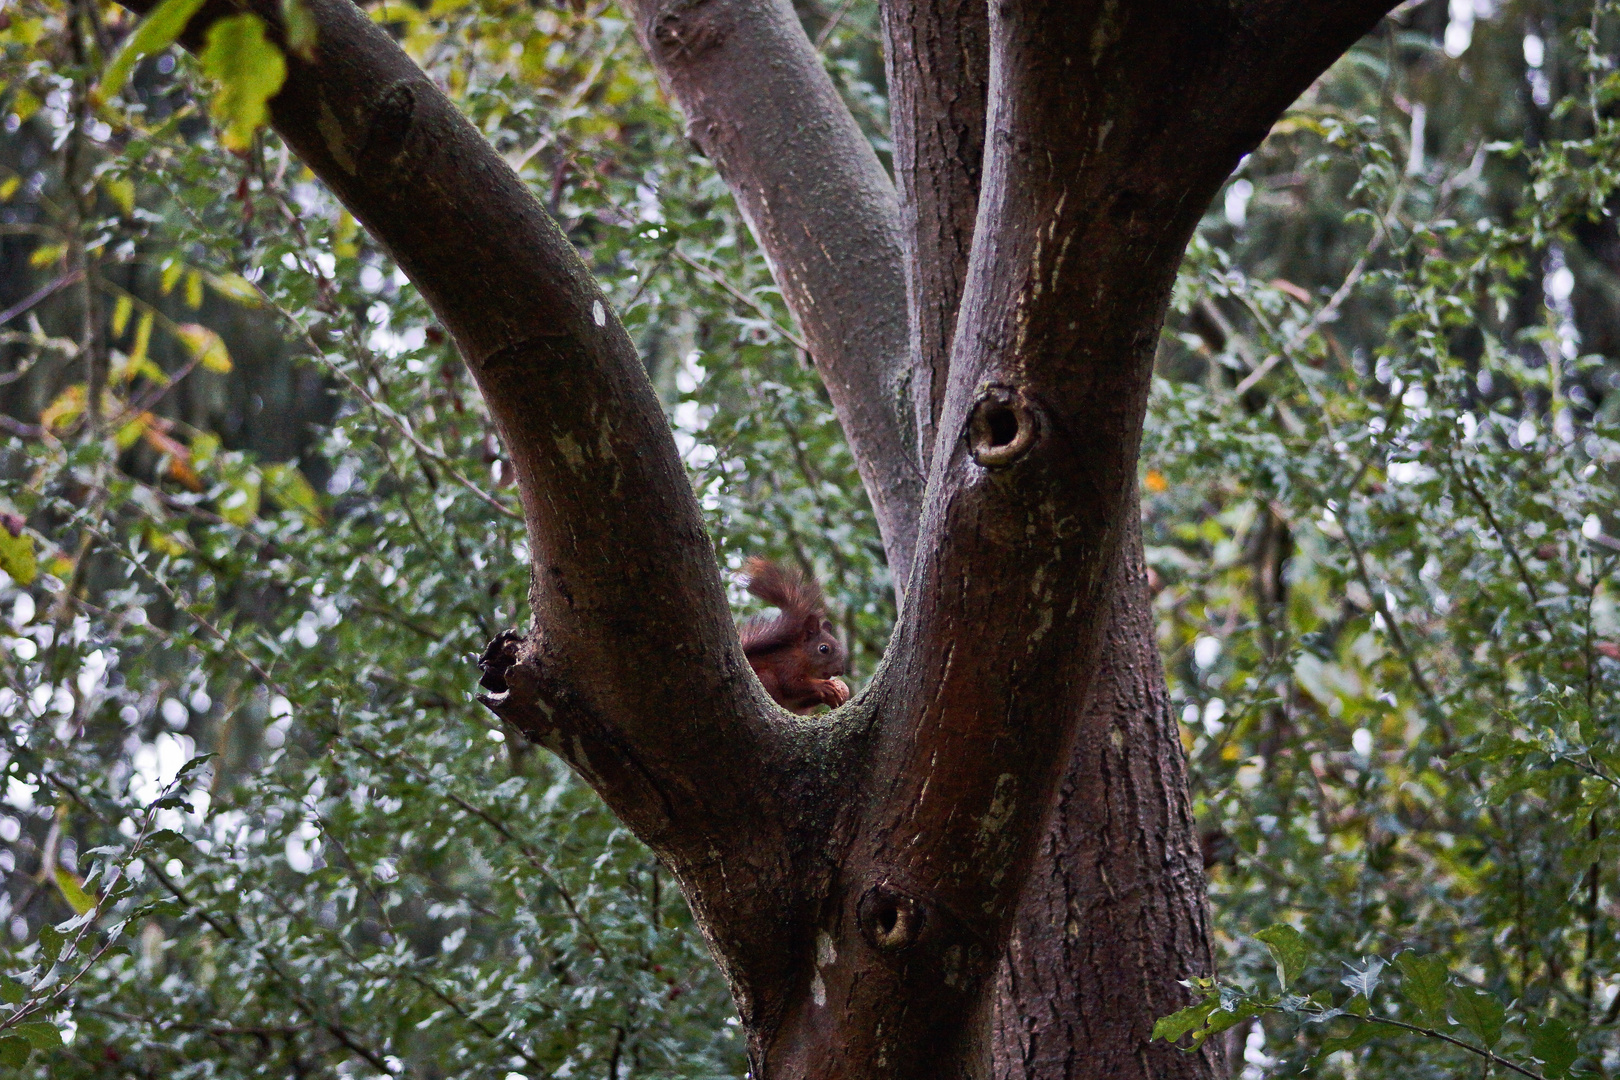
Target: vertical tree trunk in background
<point x="1114" y="912"/>
<point x="984" y="865"/>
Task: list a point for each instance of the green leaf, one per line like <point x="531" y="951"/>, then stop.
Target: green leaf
<point x="1223" y="1018"/>
<point x="51" y="941"/>
<point x="1171" y="1028"/>
<point x="14" y="1051"/>
<point x="41" y="1036"/>
<point x="1423" y="984"/>
<point x="249" y="70"/>
<point x="12" y="992"/>
<point x="17" y="557"/>
<point x="1288" y="949"/>
<point x="1555" y="1046"/>
<point x="1480" y="1012"/>
<point x="156" y="32"/>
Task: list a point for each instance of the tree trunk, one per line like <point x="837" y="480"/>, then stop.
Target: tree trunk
<point x="1114" y="913"/>
<point x="888" y="889"/>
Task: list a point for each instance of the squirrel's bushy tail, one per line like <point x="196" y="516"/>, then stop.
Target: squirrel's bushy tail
<point x="800" y="600"/>
<point x="786" y="589"/>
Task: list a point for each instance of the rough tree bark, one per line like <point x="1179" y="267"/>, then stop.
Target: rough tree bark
<point x="862" y="877"/>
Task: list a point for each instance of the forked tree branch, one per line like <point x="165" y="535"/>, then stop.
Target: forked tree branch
<point x="856" y="876"/>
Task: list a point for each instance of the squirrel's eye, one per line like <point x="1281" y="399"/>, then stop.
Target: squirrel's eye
<point x="826" y="648"/>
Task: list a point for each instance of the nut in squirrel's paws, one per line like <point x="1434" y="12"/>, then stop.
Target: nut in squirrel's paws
<point x="842" y="687"/>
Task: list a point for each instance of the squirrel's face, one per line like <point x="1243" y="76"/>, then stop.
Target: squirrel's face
<point x="826" y="653"/>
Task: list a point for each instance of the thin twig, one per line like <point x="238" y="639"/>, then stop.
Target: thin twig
<point x="40" y="294"/>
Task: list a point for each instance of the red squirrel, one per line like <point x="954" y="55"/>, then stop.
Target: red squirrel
<point x="795" y="653"/>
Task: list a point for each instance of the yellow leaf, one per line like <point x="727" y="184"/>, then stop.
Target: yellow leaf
<point x="204" y="445"/>
<point x="122" y="191"/>
<point x="288" y="487"/>
<point x="23" y="103"/>
<point x="17" y="555"/>
<point x="164" y="543"/>
<point x="171" y="275"/>
<point x="131" y="432"/>
<point x="65" y="409"/>
<point x="241" y="504"/>
<point x="194" y="290"/>
<point x="154" y="34"/>
<point x="143" y="338"/>
<point x="1155" y="482"/>
<point x="343" y="237"/>
<point x="72" y="888"/>
<point x="235" y="287"/>
<point x="149" y="371"/>
<point x="121" y="312"/>
<point x="249" y="70"/>
<point x="300" y="28"/>
<point x="46" y="254"/>
<point x="8" y="187"/>
<point x="206" y="346"/>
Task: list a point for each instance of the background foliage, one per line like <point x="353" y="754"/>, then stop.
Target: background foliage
<point x="257" y="528"/>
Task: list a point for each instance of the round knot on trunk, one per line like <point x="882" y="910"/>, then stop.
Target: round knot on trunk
<point x="1003" y="426"/>
<point x="890" y="920"/>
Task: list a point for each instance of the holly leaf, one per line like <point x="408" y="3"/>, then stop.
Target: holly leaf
<point x="1171" y="1028"/>
<point x="249" y="71"/>
<point x="1423" y="985"/>
<point x="1288" y="949"/>
<point x="1363" y="980"/>
<point x="1480" y="1012"/>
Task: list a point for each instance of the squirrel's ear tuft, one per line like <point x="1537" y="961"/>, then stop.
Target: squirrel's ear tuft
<point x="811" y="625"/>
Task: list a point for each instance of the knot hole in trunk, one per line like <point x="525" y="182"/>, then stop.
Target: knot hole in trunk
<point x="890" y="920"/>
<point x="1002" y="427"/>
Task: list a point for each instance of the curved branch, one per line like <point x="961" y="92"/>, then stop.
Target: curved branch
<point x="633" y="672"/>
<point x="759" y="103"/>
<point x="938" y="63"/>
